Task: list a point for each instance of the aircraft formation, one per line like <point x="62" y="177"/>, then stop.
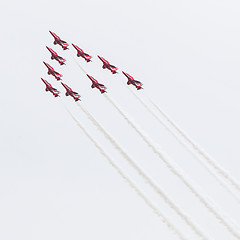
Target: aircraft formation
<point x="213" y="168"/>
<point x="87" y="58"/>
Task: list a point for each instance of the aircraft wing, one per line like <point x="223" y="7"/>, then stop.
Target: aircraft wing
<point x="113" y="67"/>
<point x="64" y="44"/>
<point x="58" y="74"/>
<point x="87" y="55"/>
<point x="54" y="89"/>
<point x="139" y="84"/>
<point x="101" y="86"/>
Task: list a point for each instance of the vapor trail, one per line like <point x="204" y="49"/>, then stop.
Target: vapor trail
<point x="174" y="169"/>
<point x="197" y="148"/>
<point x="187" y="147"/>
<point x="158" y="190"/>
<point x="132" y="185"/>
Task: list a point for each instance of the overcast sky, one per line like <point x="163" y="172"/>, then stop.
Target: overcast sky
<point x="54" y="184"/>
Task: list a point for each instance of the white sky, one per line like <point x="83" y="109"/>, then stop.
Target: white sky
<point x="54" y="184"/>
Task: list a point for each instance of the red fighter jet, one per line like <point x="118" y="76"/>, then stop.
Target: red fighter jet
<point x="81" y="53"/>
<point x="56" y="56"/>
<point x="96" y="84"/>
<point x="58" y="40"/>
<point x="70" y="92"/>
<point x="49" y="88"/>
<point x="53" y="72"/>
<point x="132" y="81"/>
<point x="107" y="65"/>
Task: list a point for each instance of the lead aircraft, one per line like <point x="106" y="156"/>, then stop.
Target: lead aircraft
<point x="107" y="65"/>
<point x="81" y="53"/>
<point x="70" y="92"/>
<point x="132" y="81"/>
<point x="59" y="41"/>
<point x="96" y="84"/>
<point x="55" y="56"/>
<point x="51" y="89"/>
<point x="51" y="71"/>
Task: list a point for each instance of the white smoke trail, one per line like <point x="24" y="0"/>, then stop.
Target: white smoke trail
<point x="197" y="148"/>
<point x="174" y="169"/>
<point x="127" y="179"/>
<point x="188" y="148"/>
<point x="145" y="176"/>
<point x="211" y="209"/>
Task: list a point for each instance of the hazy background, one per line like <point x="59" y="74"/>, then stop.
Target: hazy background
<point x="54" y="184"/>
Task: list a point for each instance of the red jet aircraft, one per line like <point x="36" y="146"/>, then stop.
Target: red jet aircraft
<point x="81" y="53"/>
<point x="58" y="40"/>
<point x="53" y="72"/>
<point x="70" y="92"/>
<point x="49" y="87"/>
<point x="132" y="81"/>
<point x="107" y="65"/>
<point x="96" y="84"/>
<point x="56" y="56"/>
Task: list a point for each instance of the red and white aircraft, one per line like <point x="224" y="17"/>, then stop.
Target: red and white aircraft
<point x="49" y="87"/>
<point x="53" y="72"/>
<point x="107" y="65"/>
<point x="70" y="92"/>
<point x="96" y="84"/>
<point x="55" y="56"/>
<point x="81" y="53"/>
<point x="132" y="81"/>
<point x="58" y="40"/>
